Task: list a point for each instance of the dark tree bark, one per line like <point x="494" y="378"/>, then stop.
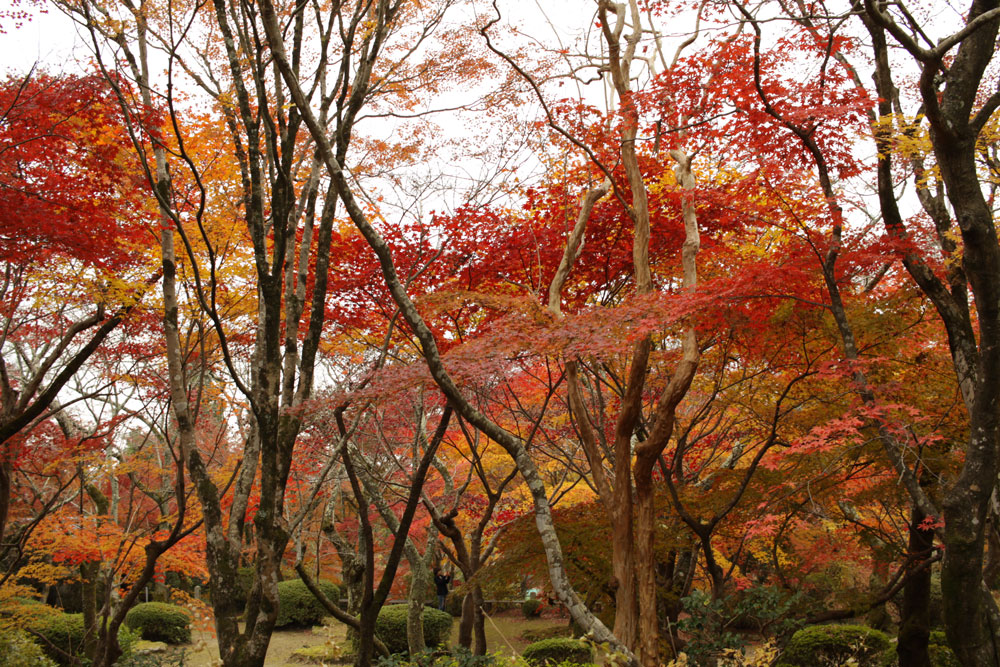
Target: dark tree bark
<point x="914" y="622"/>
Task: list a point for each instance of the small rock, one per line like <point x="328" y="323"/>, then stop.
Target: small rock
<point x="143" y="647"/>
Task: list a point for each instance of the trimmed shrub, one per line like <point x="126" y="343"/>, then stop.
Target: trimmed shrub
<point x="834" y="644"/>
<point x="20" y="650"/>
<point x="531" y="608"/>
<point x="390" y="627"/>
<point x="298" y="606"/>
<point x="558" y="651"/>
<point x="62" y="631"/>
<point x="65" y="631"/>
<point x="160" y="622"/>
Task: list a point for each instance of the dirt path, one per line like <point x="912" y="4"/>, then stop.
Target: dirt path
<point x="203" y="651"/>
<point x="504" y="634"/>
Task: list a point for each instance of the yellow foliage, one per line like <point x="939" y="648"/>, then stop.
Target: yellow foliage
<point x="47" y="574"/>
<point x="19" y="606"/>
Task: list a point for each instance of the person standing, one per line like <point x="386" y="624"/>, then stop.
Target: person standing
<point x="441" y="582"/>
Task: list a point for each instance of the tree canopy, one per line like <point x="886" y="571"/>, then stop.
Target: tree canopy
<point x="689" y="312"/>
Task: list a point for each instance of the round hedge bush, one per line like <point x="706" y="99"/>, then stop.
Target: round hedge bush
<point x="834" y="644"/>
<point x="531" y="608"/>
<point x="65" y="631"/>
<point x="160" y="622"/>
<point x="390" y="627"/>
<point x="558" y="651"/>
<point x="298" y="606"/>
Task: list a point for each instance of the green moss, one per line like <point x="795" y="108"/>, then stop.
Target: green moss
<point x="322" y="654"/>
<point x="834" y="644"/>
<point x="561" y="651"/>
<point x="159" y="621"/>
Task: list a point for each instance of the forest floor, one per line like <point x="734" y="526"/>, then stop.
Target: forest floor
<point x="505" y="632"/>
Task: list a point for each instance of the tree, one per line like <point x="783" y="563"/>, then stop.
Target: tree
<point x="288" y="214"/>
<point x="953" y="98"/>
<point x="71" y="216"/>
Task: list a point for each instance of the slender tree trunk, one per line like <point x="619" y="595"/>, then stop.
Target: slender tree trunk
<point x="6" y="475"/>
<point x="914" y="622"/>
<point x="466" y="623"/>
<point x="88" y="586"/>
<point x="419" y="581"/>
<point x="623" y="557"/>
<point x="479" y="620"/>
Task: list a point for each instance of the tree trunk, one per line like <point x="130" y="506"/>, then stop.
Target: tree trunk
<point x="466" y="623"/>
<point x="366" y="638"/>
<point x="914" y="622"/>
<point x="479" y="620"/>
<point x="88" y="586"/>
<point x="415" y="609"/>
<point x="991" y="570"/>
<point x="623" y="557"/>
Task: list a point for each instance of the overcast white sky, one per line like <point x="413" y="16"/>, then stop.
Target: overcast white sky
<point x="49" y="39"/>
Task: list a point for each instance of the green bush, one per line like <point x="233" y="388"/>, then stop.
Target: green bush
<point x="766" y="610"/>
<point x="460" y="657"/>
<point x="941" y="654"/>
<point x="175" y="658"/>
<point x="390" y="627"/>
<point x="834" y="644"/>
<point x="65" y="631"/>
<point x="160" y="622"/>
<point x="938" y="651"/>
<point x="538" y="634"/>
<point x="245" y="576"/>
<point x="531" y="608"/>
<point x="127" y="638"/>
<point x="60" y="631"/>
<point x="707" y="628"/>
<point x="561" y="651"/>
<point x="20" y="650"/>
<point x="298" y="606"/>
